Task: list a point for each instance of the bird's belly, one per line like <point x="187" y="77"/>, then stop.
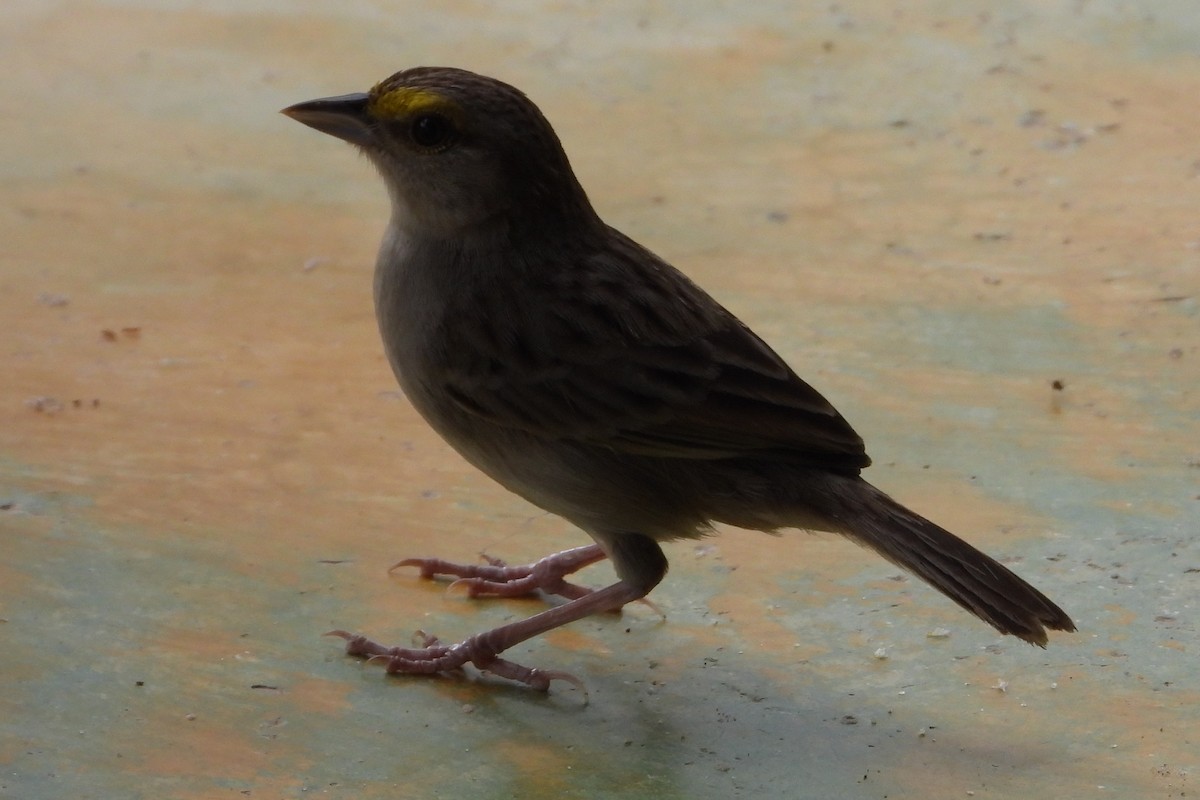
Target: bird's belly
<point x="590" y="485"/>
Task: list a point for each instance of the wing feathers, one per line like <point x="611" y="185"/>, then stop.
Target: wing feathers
<point x="625" y="352"/>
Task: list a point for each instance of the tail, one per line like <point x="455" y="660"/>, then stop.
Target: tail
<point x="974" y="580"/>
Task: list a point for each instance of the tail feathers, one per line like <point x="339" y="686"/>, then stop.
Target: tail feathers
<point x="974" y="580"/>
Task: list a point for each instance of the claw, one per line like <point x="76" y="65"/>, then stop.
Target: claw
<point x="463" y="583"/>
<point x="653" y="607"/>
<point x="536" y="679"/>
<point x="493" y="562"/>
<point x="428" y="566"/>
<point x="422" y="639"/>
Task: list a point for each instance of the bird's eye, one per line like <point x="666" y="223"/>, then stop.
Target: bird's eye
<point x="432" y="131"/>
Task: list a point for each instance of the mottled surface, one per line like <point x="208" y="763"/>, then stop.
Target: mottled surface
<point x="935" y="214"/>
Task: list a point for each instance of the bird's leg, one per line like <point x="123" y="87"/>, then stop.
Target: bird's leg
<point x="497" y="579"/>
<point x="483" y="649"/>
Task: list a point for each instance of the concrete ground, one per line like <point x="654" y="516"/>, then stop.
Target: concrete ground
<point x="975" y="226"/>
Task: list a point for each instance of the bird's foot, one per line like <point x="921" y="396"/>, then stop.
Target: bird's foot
<point x="430" y="657"/>
<point x="497" y="579"/>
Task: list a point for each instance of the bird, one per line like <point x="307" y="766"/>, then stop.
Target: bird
<point x="587" y="375"/>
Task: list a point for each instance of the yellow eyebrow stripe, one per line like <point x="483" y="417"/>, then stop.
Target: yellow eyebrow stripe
<point x="406" y="101"/>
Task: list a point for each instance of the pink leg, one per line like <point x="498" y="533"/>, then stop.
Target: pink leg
<point x="496" y="579"/>
<point x="483" y="649"/>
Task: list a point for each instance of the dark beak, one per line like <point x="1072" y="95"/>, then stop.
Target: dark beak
<point x="345" y="117"/>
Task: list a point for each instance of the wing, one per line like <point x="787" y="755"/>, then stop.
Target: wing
<point x="623" y="351"/>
